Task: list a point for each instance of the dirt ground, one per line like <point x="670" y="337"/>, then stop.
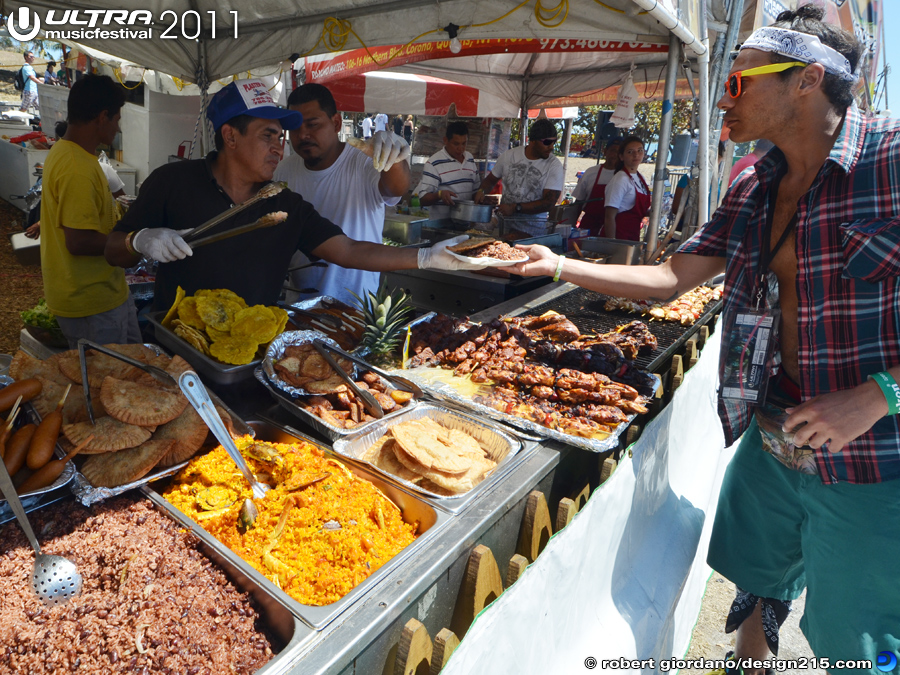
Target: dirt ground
<point x="709" y="640"/>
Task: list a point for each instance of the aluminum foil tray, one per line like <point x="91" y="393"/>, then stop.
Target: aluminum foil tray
<point x="34" y="497"/>
<point x="330" y="431"/>
<point x="87" y="494"/>
<point x="445" y="392"/>
<point x="414" y="509"/>
<point x="500" y="447"/>
<point x="276" y="351"/>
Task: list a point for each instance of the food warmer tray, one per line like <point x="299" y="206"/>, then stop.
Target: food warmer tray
<point x="431" y="521"/>
<point x="212" y="370"/>
<point x="447" y="394"/>
<point x="46" y="495"/>
<point x="502" y="448"/>
<point x="328" y="430"/>
<point x="585" y="309"/>
<point x="87" y="494"/>
<point x="292" y="634"/>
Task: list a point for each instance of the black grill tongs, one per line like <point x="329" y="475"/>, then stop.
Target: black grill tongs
<point x="84" y="345"/>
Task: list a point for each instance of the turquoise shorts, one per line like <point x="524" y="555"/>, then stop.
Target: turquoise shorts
<point x="777" y="531"/>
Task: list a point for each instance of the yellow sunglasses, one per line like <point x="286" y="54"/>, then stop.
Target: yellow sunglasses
<point x="733" y="83"/>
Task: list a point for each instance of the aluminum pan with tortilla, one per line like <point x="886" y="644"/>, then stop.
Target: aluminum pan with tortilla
<point x="87" y="494"/>
<point x="33" y="497"/>
<point x="500" y="447"/>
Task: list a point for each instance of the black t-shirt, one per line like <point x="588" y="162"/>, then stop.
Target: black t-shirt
<point x="184" y="195"/>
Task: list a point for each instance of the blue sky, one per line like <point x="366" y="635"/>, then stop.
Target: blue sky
<point x="891" y="10"/>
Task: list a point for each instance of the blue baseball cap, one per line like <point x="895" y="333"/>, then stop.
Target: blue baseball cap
<point x="249" y="97"/>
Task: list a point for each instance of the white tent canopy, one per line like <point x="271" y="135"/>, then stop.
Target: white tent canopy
<point x="270" y="31"/>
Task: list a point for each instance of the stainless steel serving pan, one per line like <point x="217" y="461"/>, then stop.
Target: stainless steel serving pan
<point x="291" y="634"/>
<point x="415" y="510"/>
<point x="464" y="209"/>
<point x="211" y="370"/>
<point x="33" y="498"/>
<point x="499" y="446"/>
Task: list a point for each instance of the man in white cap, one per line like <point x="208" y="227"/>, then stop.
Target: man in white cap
<point x="809" y="242"/>
<point x="178" y="197"/>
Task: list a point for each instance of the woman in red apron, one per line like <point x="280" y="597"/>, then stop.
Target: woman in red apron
<point x="626" y="224"/>
<point x="595" y="206"/>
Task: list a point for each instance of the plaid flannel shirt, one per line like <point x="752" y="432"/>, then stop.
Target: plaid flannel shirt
<point x="848" y="279"/>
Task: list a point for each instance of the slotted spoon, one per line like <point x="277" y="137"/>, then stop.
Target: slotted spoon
<point x="55" y="579"/>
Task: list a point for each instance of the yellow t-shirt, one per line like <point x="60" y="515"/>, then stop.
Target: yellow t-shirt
<point x="76" y="194"/>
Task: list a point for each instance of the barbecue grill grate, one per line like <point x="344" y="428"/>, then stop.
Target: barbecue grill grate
<point x="584" y="308"/>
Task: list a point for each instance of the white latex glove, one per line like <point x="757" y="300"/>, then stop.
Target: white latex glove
<point x="437" y="257"/>
<point x="162" y="244"/>
<point x="388" y="149"/>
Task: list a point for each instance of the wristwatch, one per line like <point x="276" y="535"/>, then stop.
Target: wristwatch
<point x="518" y="208"/>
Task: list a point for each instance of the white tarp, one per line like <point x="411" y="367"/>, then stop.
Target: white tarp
<point x="625" y="578"/>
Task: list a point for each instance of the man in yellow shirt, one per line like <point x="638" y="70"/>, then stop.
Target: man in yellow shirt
<point x="88" y="296"/>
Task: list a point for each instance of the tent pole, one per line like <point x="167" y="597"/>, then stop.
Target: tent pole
<point x="665" y="136"/>
<point x="567" y="144"/>
<point x="206" y="141"/>
<point x="704" y="141"/>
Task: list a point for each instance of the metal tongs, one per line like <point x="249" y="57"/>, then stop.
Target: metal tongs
<point x="327" y="319"/>
<point x="372" y="406"/>
<point x="84" y="345"/>
<point x="259" y="224"/>
<point x="396" y="380"/>
<point x="196" y="394"/>
<point x="266" y="192"/>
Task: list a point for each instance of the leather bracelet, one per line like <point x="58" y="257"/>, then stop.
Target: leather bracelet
<point x="559" y="267"/>
<point x="890" y="389"/>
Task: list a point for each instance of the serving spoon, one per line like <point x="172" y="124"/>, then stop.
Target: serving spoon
<point x="196" y="394"/>
<point x="54" y="579"/>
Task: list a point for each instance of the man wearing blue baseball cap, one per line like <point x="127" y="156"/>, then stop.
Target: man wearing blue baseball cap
<point x="178" y="197"/>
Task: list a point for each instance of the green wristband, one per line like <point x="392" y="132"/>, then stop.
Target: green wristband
<point x="890" y="389"/>
<point x="559" y="266"/>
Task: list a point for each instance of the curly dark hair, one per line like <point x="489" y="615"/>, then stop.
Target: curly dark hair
<point x="808" y="19"/>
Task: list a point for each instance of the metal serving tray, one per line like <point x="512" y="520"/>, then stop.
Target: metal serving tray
<point x="290" y="632"/>
<point x="328" y="430"/>
<point x="414" y="509"/>
<point x="326" y="302"/>
<point x="34" y="499"/>
<point x="445" y="392"/>
<point x="209" y="368"/>
<point x="87" y="494"/>
<point x="500" y="447"/>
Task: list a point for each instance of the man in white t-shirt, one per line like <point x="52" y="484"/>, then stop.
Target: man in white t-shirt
<point x="366" y="125"/>
<point x="449" y="174"/>
<point x="381" y="121"/>
<point x="343" y="186"/>
<point x="532" y="176"/>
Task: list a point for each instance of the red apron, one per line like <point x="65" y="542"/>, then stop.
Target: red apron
<point x="628" y="223"/>
<point x="595" y="209"/>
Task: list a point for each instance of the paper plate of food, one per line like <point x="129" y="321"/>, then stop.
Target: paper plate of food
<point x="487" y="252"/>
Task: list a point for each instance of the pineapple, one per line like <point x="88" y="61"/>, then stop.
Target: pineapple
<point x="384" y="314"/>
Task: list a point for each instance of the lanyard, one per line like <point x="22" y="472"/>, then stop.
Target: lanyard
<point x="765" y="255"/>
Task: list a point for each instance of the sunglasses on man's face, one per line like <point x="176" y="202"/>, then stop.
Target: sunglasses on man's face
<point x="733" y="83"/>
<point x="549" y="141"/>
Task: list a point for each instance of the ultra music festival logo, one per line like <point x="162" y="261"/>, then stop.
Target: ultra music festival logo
<point x="25" y="24"/>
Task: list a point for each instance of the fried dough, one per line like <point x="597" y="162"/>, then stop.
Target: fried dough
<point x="135" y="403"/>
<point x="112" y="469"/>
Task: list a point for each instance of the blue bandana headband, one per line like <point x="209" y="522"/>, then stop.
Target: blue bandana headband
<point x="801" y="47"/>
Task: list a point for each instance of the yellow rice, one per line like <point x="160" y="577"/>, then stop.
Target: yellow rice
<point x="315" y="565"/>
